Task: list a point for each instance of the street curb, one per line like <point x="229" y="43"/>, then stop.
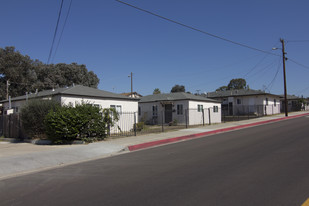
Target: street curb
<point x="199" y="135"/>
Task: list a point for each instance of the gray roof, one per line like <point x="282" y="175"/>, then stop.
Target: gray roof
<point x="290" y="97"/>
<point x="175" y="97"/>
<point x="238" y="92"/>
<point x="77" y="90"/>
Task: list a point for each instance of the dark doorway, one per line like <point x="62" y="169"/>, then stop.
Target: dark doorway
<point x="231" y="108"/>
<point x="168" y="113"/>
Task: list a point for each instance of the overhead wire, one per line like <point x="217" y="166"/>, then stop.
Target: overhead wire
<point x="255" y="66"/>
<point x="301" y="91"/>
<point x="55" y="33"/>
<point x="297" y="40"/>
<point x="195" y="29"/>
<point x="219" y="37"/>
<point x="270" y="85"/>
<point x="65" y="21"/>
<point x="299" y="64"/>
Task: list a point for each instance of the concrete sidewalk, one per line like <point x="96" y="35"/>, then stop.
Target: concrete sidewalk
<point x="21" y="158"/>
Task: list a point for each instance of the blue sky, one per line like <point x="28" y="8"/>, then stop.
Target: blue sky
<point x="113" y="40"/>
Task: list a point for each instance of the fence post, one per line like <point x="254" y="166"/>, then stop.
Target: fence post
<point x="209" y="116"/>
<point x="135" y="124"/>
<point x="272" y="106"/>
<point x="186" y="117"/>
<point x="162" y="121"/>
<point x="203" y="114"/>
<point x="9" y="126"/>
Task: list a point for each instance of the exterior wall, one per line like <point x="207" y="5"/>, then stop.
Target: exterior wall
<point x="200" y="117"/>
<point x="126" y="113"/>
<point x="126" y="106"/>
<point x="255" y="105"/>
<point x="189" y="107"/>
<point x="146" y="113"/>
<point x="271" y="107"/>
<point x="293" y="105"/>
<point x="180" y="118"/>
<point x="126" y="120"/>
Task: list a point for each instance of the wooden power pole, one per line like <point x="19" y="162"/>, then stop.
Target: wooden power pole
<point x="284" y="79"/>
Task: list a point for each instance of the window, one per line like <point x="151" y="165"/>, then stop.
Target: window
<point x="97" y="105"/>
<point x="155" y="110"/>
<point x="275" y="102"/>
<point x="216" y="108"/>
<point x="179" y="109"/>
<point x="238" y="101"/>
<point x="117" y="108"/>
<point x="266" y="101"/>
<point x="139" y="111"/>
<point x="199" y="108"/>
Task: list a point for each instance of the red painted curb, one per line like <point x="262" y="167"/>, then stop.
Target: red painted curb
<point x="186" y="137"/>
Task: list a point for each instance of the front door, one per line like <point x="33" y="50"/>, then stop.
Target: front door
<point x="231" y="108"/>
<point x="168" y="113"/>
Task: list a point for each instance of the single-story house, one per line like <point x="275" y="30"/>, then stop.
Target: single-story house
<point x="247" y="101"/>
<point x="80" y="94"/>
<point x="181" y="108"/>
<point x="294" y="103"/>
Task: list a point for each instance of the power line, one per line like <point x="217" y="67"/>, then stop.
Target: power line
<point x="299" y="64"/>
<point x="65" y="21"/>
<point x="273" y="80"/>
<point x="51" y="49"/>
<point x="195" y="29"/>
<point x="297" y="41"/>
<point x="303" y="90"/>
<point x="255" y="66"/>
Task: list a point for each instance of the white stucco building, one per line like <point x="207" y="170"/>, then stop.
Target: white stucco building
<point x="81" y="94"/>
<point x="247" y="101"/>
<point x="181" y="108"/>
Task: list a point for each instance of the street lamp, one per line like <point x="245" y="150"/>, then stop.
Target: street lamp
<point x="284" y="76"/>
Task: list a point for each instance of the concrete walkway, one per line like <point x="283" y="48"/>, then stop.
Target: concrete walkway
<point x="22" y="158"/>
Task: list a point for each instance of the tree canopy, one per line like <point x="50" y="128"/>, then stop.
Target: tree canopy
<point x="234" y="84"/>
<point x="223" y="88"/>
<point x="26" y="75"/>
<point x="237" y="84"/>
<point x="178" y="88"/>
<point x="156" y="91"/>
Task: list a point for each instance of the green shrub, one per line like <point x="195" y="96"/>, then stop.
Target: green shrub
<point x="85" y="122"/>
<point x="33" y="115"/>
<point x="140" y="126"/>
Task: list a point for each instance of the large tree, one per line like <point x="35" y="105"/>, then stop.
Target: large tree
<point x="156" y="91"/>
<point x="237" y="84"/>
<point x="178" y="88"/>
<point x="234" y="84"/>
<point x="23" y="74"/>
<point x="223" y="88"/>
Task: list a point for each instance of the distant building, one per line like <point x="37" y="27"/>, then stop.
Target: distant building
<point x="247" y="101"/>
<point x="180" y="107"/>
<point x="294" y="103"/>
<point x="133" y="95"/>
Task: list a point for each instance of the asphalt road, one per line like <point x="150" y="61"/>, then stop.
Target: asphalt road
<point x="262" y="165"/>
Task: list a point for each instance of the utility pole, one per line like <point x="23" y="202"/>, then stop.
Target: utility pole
<point x="284" y="78"/>
<point x="131" y="83"/>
